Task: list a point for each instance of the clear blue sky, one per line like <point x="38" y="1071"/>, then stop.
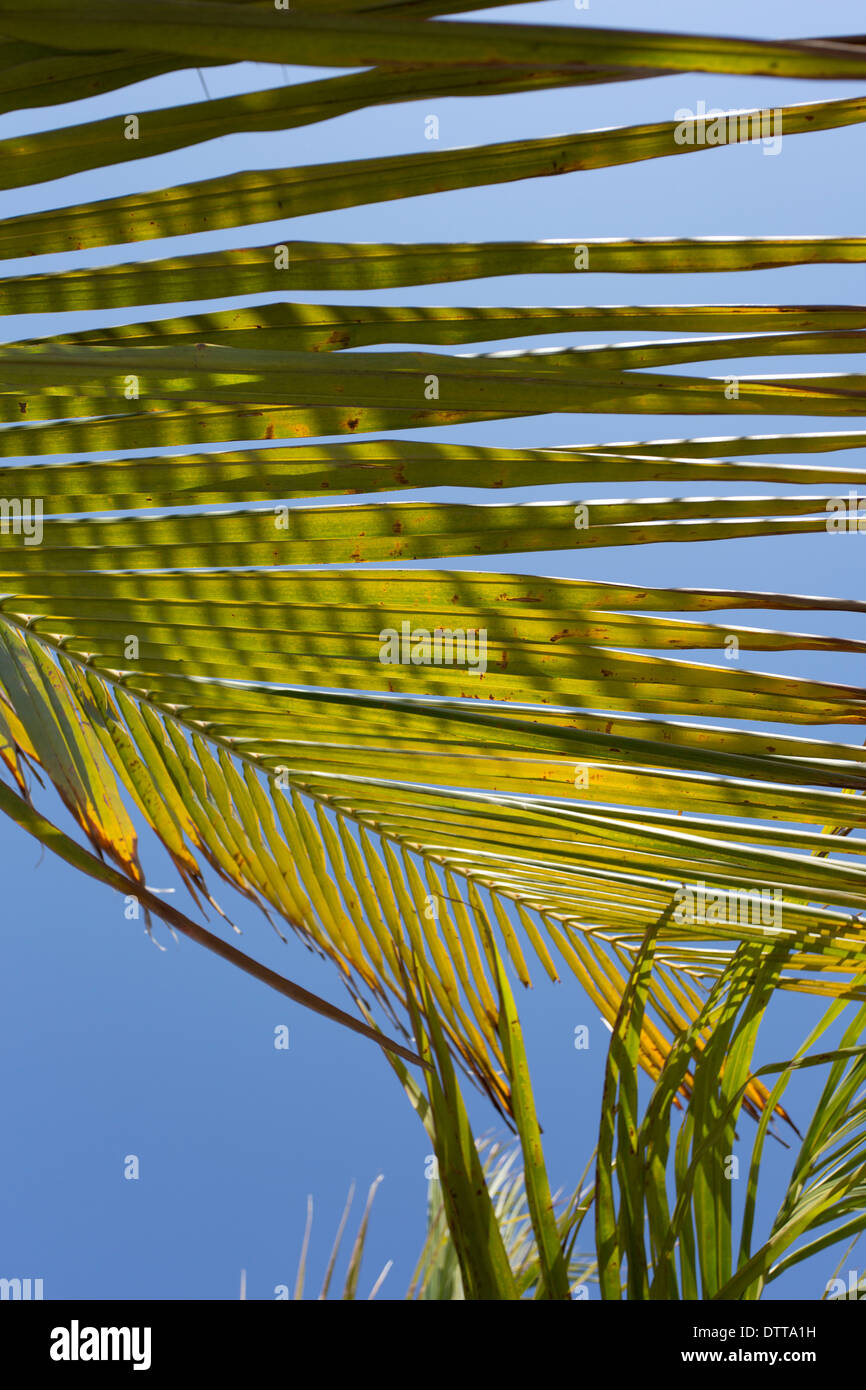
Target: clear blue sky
<point x="111" y="1047"/>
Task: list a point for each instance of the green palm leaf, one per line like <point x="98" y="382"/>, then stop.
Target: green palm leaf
<point x="208" y="669"/>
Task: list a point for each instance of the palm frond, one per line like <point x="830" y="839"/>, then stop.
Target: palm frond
<point x="275" y="721"/>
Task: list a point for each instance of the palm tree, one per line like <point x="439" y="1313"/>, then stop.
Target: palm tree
<point x="440" y="779"/>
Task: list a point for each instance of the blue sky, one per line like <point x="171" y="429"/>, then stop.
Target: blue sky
<point x="112" y="1047"/>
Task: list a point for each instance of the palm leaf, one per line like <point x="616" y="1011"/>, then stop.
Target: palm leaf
<point x="424" y="842"/>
